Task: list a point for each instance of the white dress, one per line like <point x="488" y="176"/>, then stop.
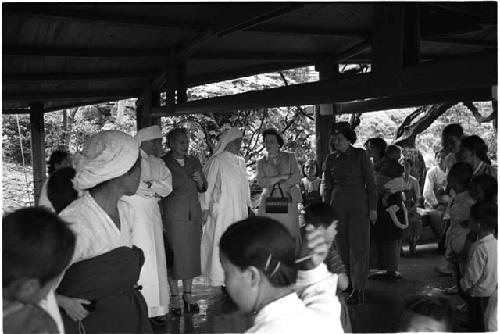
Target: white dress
<point x="227" y="199"/>
<point x="314" y="308"/>
<point x="147" y="232"/>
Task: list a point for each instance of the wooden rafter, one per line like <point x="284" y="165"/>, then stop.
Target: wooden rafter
<point x="47" y="77"/>
<point x="84" y="52"/>
<point x="86" y="16"/>
<point x="68" y="95"/>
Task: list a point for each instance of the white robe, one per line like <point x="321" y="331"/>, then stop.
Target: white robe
<point x="227" y="199"/>
<point x="147" y="232"/>
<point x="314" y="308"/>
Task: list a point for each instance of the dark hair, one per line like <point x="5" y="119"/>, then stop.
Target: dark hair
<point x="174" y="133"/>
<point x="392" y="150"/>
<point x="409" y="161"/>
<point x="320" y="214"/>
<point x="60" y="189"/>
<point x="437" y="308"/>
<point x="453" y="129"/>
<point x="476" y="145"/>
<point x="486" y="213"/>
<point x="462" y="172"/>
<point x="37" y="244"/>
<point x="345" y="129"/>
<point x="316" y="165"/>
<point x="273" y="132"/>
<point x="377" y="142"/>
<point x="56" y="158"/>
<point x="488" y="184"/>
<point x="264" y="243"/>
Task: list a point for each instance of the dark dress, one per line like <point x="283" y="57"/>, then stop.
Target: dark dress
<point x="349" y="186"/>
<point x="181" y="213"/>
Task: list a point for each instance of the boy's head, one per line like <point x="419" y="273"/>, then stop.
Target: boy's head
<point x="322" y="216"/>
<point x="484" y="187"/>
<point x="484" y="216"/>
<point x="451" y="137"/>
<point x="459" y="176"/>
<point x="37" y="247"/>
<point x="393" y="152"/>
<point x="428" y="314"/>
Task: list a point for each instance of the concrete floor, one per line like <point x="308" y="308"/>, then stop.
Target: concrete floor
<point x="380" y="314"/>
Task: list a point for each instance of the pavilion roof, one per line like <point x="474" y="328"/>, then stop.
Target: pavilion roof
<point x="71" y="54"/>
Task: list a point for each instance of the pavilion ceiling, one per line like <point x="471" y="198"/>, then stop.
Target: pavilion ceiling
<point x="69" y="54"/>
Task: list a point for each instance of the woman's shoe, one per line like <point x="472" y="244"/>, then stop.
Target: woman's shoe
<point x="357" y="297"/>
<point x="188" y="306"/>
<point x="175" y="308"/>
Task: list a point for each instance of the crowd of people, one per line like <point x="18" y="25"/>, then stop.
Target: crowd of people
<point x="121" y="223"/>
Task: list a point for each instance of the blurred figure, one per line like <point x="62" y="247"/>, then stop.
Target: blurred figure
<point x="58" y="159"/>
<point x="37" y="246"/>
<point x="428" y="314"/>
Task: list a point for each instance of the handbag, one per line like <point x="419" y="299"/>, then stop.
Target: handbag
<point x="277" y="204"/>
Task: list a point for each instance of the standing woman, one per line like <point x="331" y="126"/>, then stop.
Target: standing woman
<point x="349" y="186"/>
<point x="281" y="169"/>
<point x="98" y="291"/>
<point x="182" y="219"/>
<point x="474" y="151"/>
<point x="226" y="200"/>
<point x="57" y="160"/>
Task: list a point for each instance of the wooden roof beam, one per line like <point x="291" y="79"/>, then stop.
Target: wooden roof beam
<point x="49" y="77"/>
<point x="221" y="55"/>
<point x="86" y="16"/>
<point x="407" y="101"/>
<point x="67" y="95"/>
<point x="439" y="76"/>
<point x="83" y="52"/>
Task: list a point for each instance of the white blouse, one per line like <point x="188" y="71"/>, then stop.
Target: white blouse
<point x="314" y="308"/>
<point x="95" y="232"/>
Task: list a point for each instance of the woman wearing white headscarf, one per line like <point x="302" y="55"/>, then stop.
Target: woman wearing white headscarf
<point x="98" y="291"/>
<point x="225" y="202"/>
<point x="146" y="222"/>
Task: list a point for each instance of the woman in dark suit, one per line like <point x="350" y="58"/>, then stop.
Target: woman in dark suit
<point x="182" y="219"/>
<point x="349" y="186"/>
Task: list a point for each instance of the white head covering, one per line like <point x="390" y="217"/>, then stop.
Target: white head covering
<point x="106" y="155"/>
<point x="227" y="136"/>
<point x="149" y="133"/>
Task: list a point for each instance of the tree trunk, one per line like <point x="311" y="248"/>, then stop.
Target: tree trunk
<point x="408" y="130"/>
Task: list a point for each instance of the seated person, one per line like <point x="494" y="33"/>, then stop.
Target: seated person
<point x="435" y="196"/>
<point x="389" y="172"/>
<point x="263" y="277"/>
<point x="423" y="313"/>
<point x="478" y="285"/>
<point x="310" y="183"/>
<point x="37" y="247"/>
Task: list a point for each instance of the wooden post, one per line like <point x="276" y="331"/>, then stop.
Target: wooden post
<point x="37" y="147"/>
<point x="387" y="44"/>
<point x="181" y="83"/>
<point x="325" y="114"/>
<point x="144" y="105"/>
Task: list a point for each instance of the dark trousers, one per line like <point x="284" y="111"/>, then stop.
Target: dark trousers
<point x="476" y="307"/>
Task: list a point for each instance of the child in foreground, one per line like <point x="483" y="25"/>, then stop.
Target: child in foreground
<point x="37" y="247"/>
<point x="478" y="285"/>
<point x="262" y="277"/>
<point x="422" y="313"/>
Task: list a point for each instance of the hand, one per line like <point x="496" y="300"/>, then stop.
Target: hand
<point x="148" y="183"/>
<point x="197" y="178"/>
<point x="73" y="307"/>
<point x="373" y="216"/>
<point x="313" y="246"/>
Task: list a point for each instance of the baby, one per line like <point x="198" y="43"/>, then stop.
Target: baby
<point x="389" y="180"/>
